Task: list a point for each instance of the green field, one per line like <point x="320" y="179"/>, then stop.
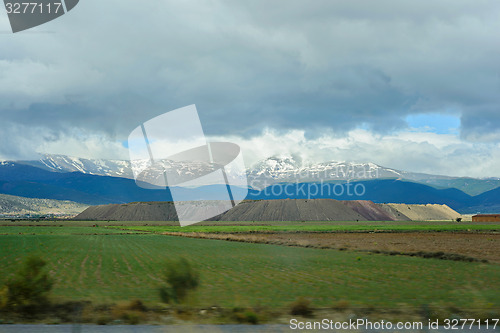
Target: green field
<point x="94" y="264"/>
<point x="316" y="227"/>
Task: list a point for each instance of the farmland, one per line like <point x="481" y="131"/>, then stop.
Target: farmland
<point x="103" y="264"/>
<point x="320" y="227"/>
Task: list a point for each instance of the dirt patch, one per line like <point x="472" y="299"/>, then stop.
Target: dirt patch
<point x="480" y="246"/>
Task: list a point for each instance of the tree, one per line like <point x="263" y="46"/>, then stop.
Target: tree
<point x="180" y="277"/>
<point x="28" y="289"/>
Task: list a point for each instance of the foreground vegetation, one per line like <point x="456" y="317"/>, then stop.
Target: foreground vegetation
<point x="104" y="265"/>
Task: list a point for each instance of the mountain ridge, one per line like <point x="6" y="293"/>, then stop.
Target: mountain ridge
<point x="279" y="170"/>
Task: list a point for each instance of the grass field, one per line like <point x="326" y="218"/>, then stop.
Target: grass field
<point x="314" y="227"/>
<point x="101" y="265"/>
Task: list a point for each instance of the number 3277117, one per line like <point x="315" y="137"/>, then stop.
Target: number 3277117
<point x="33" y="8"/>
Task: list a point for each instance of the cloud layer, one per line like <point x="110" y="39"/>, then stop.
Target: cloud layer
<point x="315" y="68"/>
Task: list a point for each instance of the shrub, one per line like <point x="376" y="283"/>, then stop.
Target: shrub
<point x="242" y="315"/>
<point x="4" y="297"/>
<point x="341" y="305"/>
<point x="301" y="307"/>
<point x="180" y="277"/>
<point x="131" y="312"/>
<point x="28" y="289"/>
<point x="251" y="317"/>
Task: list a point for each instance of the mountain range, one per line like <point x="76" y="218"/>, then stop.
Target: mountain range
<point x="110" y="181"/>
<point x="278" y="170"/>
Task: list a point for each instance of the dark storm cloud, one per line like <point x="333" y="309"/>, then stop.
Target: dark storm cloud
<point x="314" y="65"/>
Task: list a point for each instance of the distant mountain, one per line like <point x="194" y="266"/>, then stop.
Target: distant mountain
<point x="378" y="191"/>
<point x="287" y="178"/>
<point x="101" y="167"/>
<point x="277" y="170"/>
<point x="487" y="202"/>
<point x="288" y="170"/>
<point x="32" y="182"/>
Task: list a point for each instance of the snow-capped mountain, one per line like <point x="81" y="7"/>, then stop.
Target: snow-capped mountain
<point x="271" y="171"/>
<point x="101" y="167"/>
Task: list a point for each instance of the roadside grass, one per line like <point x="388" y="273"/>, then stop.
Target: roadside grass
<point x="117" y="267"/>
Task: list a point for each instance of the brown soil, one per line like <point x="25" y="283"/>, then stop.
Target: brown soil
<point x="473" y="245"/>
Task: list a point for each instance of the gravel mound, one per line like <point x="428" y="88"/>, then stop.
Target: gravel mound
<point x="275" y="210"/>
<point x="429" y="212"/>
<point x="370" y="210"/>
<point x="135" y="211"/>
<point x="291" y="210"/>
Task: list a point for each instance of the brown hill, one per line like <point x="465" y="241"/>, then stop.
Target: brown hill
<point x="398" y="216"/>
<point x="427" y="212"/>
<point x="370" y="210"/>
<point x="135" y="211"/>
<point x="276" y="210"/>
<point x="291" y="210"/>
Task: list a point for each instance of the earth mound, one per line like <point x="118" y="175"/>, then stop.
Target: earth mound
<point x="275" y="210"/>
<point x="429" y="212"/>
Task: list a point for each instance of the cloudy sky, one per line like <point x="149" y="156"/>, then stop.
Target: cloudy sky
<point x="409" y="85"/>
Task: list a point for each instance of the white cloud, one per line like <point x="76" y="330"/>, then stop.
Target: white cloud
<point x="425" y="152"/>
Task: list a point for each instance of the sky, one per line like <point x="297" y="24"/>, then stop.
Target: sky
<point x="408" y="85"/>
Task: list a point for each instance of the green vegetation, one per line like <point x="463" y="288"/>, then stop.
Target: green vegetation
<point x="180" y="277"/>
<point x="27" y="290"/>
<point x="301" y="307"/>
<point x="106" y="267"/>
<point x="313" y="227"/>
<point x="45" y="230"/>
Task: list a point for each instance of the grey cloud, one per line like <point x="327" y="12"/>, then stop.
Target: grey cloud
<point x="313" y="65"/>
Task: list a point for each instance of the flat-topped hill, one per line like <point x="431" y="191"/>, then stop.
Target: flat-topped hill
<point x="278" y="210"/>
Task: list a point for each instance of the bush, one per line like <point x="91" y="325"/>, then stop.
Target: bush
<point x="131" y="312"/>
<point x="301" y="307"/>
<point x="180" y="277"/>
<point x="341" y="305"/>
<point x="242" y="316"/>
<point x="28" y="289"/>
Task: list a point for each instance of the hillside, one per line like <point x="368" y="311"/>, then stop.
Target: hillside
<point x="426" y="212"/>
<point x="135" y="211"/>
<point x="278" y="210"/>
<point x="13" y="205"/>
<point x="291" y="210"/>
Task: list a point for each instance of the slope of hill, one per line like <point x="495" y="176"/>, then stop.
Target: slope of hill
<point x="135" y="211"/>
<point x="487" y="202"/>
<point x="13" y="205"/>
<point x="291" y="210"/>
<point x="427" y="212"/>
<point x="370" y="210"/>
